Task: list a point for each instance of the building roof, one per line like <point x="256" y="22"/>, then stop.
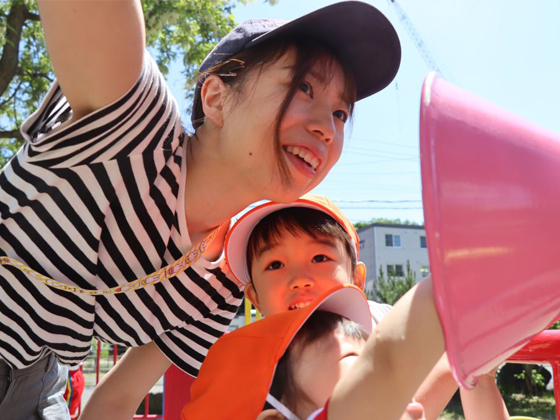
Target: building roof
<point x="390" y="225"/>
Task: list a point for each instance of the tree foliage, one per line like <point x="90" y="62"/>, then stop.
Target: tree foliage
<point x="390" y="289"/>
<point x="384" y="221"/>
<point x="174" y="29"/>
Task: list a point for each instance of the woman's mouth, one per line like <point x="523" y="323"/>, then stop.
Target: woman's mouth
<point x="305" y="155"/>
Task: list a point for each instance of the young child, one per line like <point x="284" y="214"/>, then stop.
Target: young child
<point x="331" y="369"/>
<point x="288" y="254"/>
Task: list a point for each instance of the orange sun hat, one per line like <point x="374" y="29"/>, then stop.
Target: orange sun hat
<point x="236" y="376"/>
<point x="237" y="238"/>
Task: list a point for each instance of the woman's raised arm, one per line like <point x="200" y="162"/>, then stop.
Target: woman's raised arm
<point x="96" y="49"/>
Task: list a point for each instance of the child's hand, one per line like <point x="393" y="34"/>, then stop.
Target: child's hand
<point x="414" y="411"/>
<point x="492" y="373"/>
<point x="484" y="401"/>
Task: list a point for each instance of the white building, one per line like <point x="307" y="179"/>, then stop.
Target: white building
<point x="390" y="247"/>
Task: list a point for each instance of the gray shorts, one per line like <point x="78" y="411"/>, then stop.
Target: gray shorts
<point x="34" y="393"/>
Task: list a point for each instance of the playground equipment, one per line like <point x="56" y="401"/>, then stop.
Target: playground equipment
<point x="544" y="348"/>
<point x="491" y="208"/>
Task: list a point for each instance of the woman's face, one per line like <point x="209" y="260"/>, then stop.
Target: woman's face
<point x="311" y="133"/>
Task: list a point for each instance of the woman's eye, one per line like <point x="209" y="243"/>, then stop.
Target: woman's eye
<point x="275" y="265"/>
<point x="306" y="88"/>
<point x="320" y="258"/>
<point x="341" y="115"/>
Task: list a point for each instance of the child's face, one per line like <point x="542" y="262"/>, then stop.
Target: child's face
<point x="293" y="272"/>
<point x="320" y="365"/>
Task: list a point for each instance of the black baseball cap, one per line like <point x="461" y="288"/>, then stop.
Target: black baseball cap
<point x="359" y="35"/>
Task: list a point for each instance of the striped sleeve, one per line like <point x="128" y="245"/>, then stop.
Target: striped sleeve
<point x="187" y="345"/>
<point x="129" y="126"/>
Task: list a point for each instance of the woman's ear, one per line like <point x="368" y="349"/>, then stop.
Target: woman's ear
<point x="251" y="294"/>
<point x="270" y="414"/>
<point x="213" y="95"/>
<point x="360" y="275"/>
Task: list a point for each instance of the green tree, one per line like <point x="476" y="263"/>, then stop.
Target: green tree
<point x="390" y="289"/>
<point x="174" y="29"/>
<point x="384" y="221"/>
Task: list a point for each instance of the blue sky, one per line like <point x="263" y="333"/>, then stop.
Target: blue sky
<point x="506" y="51"/>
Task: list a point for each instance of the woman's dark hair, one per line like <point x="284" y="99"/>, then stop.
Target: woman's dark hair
<point x="284" y="387"/>
<point x="308" y="53"/>
<point x="297" y="221"/>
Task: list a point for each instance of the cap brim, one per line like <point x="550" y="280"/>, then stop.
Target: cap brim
<point x="358" y="34"/>
<point x="240" y="366"/>
<point x="237" y="238"/>
<point x="348" y="301"/>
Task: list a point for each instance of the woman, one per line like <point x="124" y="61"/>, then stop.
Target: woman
<point x="99" y="201"/>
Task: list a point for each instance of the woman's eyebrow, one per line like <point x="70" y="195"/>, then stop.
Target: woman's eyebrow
<point x="320" y="77"/>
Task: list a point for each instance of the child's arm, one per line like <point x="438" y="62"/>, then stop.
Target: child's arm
<point x="397" y="357"/>
<point x="437" y="389"/>
<point x="484" y="401"/>
<point x="120" y="392"/>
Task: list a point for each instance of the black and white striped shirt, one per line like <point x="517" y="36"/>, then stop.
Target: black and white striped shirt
<point x="96" y="204"/>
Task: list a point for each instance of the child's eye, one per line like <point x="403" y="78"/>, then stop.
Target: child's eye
<point x="305" y="87"/>
<point x="341" y="115"/>
<point x="275" y="265"/>
<point x="319" y="258"/>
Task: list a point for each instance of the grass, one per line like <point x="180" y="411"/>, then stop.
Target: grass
<point x="542" y="407"/>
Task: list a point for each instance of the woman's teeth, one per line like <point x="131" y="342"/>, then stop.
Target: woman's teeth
<point x="299" y="305"/>
<point x="304" y="154"/>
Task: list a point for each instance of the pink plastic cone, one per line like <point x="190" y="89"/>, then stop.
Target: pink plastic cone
<point x="491" y="192"/>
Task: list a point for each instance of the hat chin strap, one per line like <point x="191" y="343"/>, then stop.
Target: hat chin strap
<point x="282" y="409"/>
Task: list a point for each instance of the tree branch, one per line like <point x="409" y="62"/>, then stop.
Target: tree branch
<point x="11" y="134"/>
<point x="16" y="90"/>
<point x="32" y="16"/>
<point x="10" y="53"/>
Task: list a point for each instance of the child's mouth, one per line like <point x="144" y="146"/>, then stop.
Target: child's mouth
<point x="299" y="305"/>
<point x="305" y="155"/>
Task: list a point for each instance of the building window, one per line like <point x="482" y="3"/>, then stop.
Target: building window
<point x="395" y="270"/>
<point x="424" y="271"/>
<point x="362" y="244"/>
<point x="393" y="241"/>
<point x="423" y="242"/>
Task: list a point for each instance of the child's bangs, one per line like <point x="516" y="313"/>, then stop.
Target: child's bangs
<point x="273" y="229"/>
<point x="297" y="221"/>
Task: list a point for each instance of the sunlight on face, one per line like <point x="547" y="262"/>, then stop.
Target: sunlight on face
<point x="295" y="271"/>
<point x="311" y="133"/>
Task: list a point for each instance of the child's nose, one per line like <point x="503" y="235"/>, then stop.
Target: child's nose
<point x="301" y="282"/>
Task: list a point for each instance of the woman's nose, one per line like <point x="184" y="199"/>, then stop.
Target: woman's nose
<point x="322" y="124"/>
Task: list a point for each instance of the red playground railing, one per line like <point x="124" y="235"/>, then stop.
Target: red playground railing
<point x="544" y="348"/>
